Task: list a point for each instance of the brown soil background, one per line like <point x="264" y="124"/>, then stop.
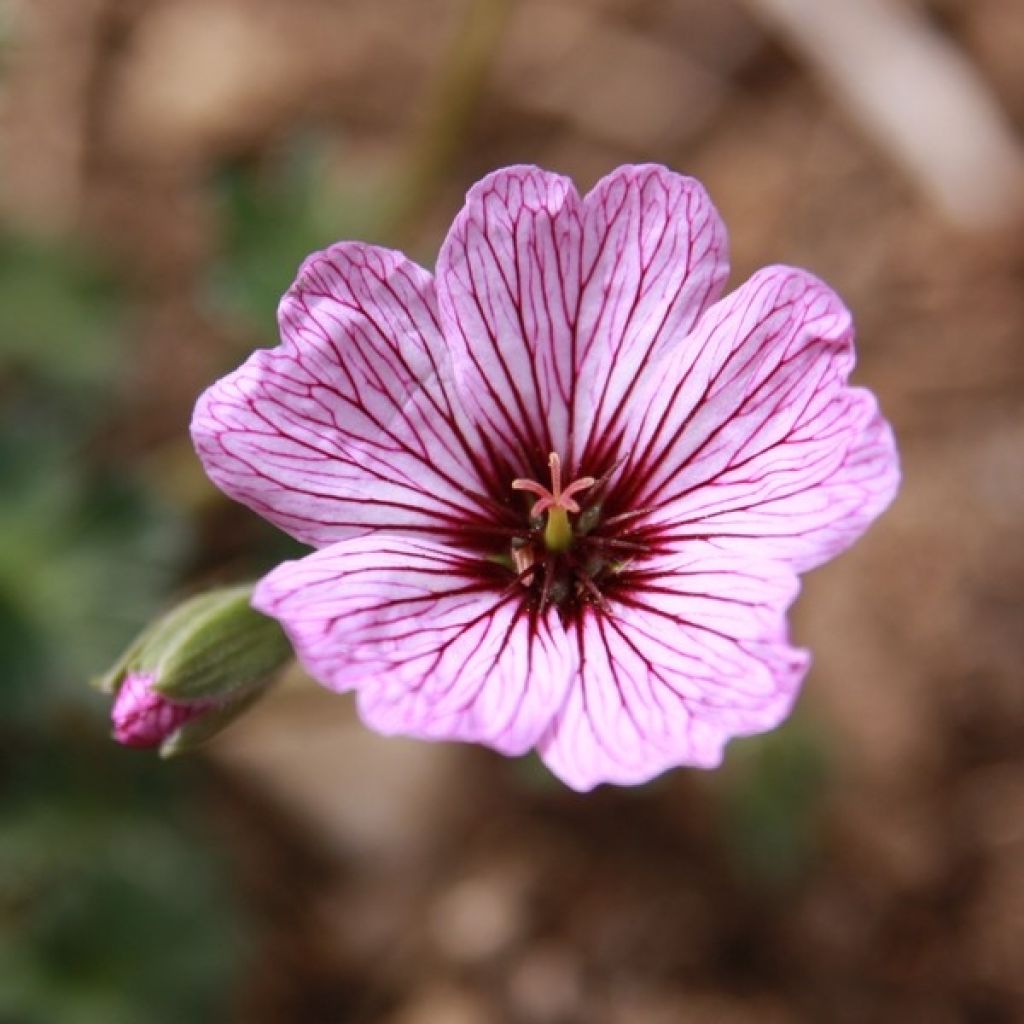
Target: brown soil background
<point x="415" y="884"/>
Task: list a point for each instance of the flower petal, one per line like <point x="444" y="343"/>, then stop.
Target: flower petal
<point x="554" y="305"/>
<point x="655" y="256"/>
<point x="438" y="644"/>
<point x="143" y="717"/>
<point x="808" y="524"/>
<point x="692" y="652"/>
<point x="348" y="426"/>
<point x="754" y="435"/>
<point x="508" y="281"/>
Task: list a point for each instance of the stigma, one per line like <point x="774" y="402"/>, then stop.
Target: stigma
<point x="556" y="503"/>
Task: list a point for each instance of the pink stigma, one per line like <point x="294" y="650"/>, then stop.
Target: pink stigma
<point x="556" y="497"/>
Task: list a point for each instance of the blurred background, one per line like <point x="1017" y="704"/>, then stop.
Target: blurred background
<point x="165" y="166"/>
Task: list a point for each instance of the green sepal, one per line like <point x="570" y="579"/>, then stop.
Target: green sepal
<point x="225" y="646"/>
<point x="207" y="648"/>
<point x="152" y="638"/>
<point x="195" y="733"/>
<point x="110" y="682"/>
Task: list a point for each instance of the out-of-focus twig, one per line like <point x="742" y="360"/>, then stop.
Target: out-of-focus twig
<point x="450" y="103"/>
<point x="918" y="96"/>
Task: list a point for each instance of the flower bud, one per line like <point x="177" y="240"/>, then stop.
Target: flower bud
<point x="194" y="670"/>
<point x="142" y="718"/>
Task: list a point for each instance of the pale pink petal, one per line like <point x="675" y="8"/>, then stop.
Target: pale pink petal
<point x="753" y="432"/>
<point x="348" y="426"/>
<point x="655" y="256"/>
<point x="439" y="645"/>
<point x="690" y="652"/>
<point x="808" y="526"/>
<point x="508" y="283"/>
<point x="554" y="305"/>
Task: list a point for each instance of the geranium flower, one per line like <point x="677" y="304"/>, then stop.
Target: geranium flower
<point x="560" y="491"/>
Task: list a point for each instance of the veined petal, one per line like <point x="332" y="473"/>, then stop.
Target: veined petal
<point x="554" y="305"/>
<point x="691" y="652"/>
<point x="508" y="282"/>
<point x="655" y="256"/>
<point x="348" y="426"/>
<point x="753" y="432"/>
<point x="439" y="645"/>
<point x="806" y="525"/>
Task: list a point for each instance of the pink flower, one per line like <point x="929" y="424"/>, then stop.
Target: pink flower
<point x="560" y="491"/>
<point x="144" y="718"/>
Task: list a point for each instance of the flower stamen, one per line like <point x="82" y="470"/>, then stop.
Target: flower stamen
<point x="557" y="503"/>
<point x="585" y="584"/>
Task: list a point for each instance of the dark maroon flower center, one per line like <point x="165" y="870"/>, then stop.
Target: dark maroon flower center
<point x="568" y="554"/>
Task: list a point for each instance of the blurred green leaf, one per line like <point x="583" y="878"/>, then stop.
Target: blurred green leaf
<point x="274" y="216"/>
<point x="85" y="559"/>
<point x="110" y="910"/>
<point x="770" y="795"/>
<point x="113" y="910"/>
<point x="60" y="315"/>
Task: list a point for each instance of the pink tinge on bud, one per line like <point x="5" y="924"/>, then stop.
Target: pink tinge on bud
<point x="143" y="718"/>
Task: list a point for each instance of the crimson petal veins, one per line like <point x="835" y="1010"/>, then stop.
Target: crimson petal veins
<point x="561" y="491"/>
